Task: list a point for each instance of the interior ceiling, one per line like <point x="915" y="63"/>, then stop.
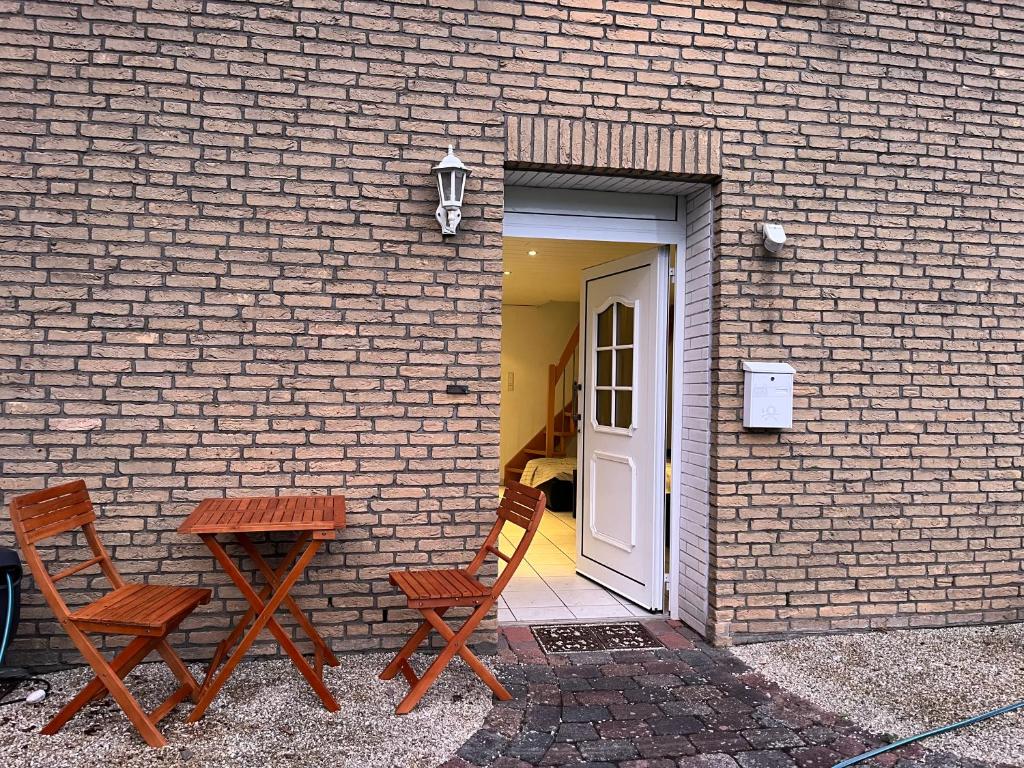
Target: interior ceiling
<point x="554" y="273"/>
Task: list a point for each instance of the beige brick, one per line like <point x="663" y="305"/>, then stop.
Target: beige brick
<point x="249" y="294"/>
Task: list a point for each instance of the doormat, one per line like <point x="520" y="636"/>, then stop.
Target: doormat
<point x="580" y="638"/>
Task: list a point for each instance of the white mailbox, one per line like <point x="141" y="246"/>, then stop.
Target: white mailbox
<point x="768" y="395"/>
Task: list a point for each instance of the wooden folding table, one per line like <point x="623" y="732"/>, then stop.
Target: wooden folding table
<point x="315" y="519"/>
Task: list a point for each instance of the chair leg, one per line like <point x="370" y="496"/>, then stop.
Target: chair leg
<point x="469" y="657"/>
<point x="409" y="674"/>
<point x="112" y="682"/>
<point x="408" y="649"/>
<point x="170" y="703"/>
<point x="456" y="640"/>
<point x="179" y="669"/>
<point x="129" y="657"/>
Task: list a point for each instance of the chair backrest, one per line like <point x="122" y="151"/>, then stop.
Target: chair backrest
<point x="41" y="515"/>
<point x="522" y="506"/>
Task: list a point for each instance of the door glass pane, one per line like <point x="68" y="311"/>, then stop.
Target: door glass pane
<point x="624" y="408"/>
<point x="604" y="407"/>
<point x="604" y="328"/>
<point x="625" y="324"/>
<point x="613" y="374"/>
<point x="623" y="367"/>
<point x="604" y="368"/>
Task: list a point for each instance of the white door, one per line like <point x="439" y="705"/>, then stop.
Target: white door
<point x="621" y="463"/>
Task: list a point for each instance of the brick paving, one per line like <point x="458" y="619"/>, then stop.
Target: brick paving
<point x="685" y="706"/>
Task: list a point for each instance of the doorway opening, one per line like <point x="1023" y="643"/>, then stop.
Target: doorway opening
<point x="542" y="406"/>
<point x="606" y="392"/>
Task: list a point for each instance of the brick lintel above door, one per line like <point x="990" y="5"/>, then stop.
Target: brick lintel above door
<point x="616" y="148"/>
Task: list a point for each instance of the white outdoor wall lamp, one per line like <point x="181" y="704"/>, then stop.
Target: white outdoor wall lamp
<point x="774" y="236"/>
<point x="451" y="185"/>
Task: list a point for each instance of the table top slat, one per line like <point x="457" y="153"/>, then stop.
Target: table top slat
<point x="252" y="509"/>
<point x="225" y="512"/>
<point x="254" y="514"/>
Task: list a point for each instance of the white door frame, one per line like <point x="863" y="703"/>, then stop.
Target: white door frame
<point x="614" y="217"/>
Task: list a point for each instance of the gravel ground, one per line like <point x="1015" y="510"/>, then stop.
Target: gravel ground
<point x="265" y="716"/>
<point x="902" y="683"/>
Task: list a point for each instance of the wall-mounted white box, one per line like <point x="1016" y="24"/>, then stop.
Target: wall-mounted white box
<point x="767" y="395"/>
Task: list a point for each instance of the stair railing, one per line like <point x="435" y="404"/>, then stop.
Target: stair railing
<point x="562" y="393"/>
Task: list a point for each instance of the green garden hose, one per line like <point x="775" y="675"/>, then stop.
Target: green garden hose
<point x="934" y="732"/>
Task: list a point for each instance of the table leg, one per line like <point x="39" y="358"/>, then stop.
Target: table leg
<point x="320" y="647"/>
<point x="228" y="642"/>
<point x="264" y="618"/>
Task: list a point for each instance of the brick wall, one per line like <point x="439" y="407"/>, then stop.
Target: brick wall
<point x="221" y="274"/>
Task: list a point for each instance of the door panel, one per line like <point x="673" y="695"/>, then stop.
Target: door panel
<point x="613" y="479"/>
<point x="623" y="330"/>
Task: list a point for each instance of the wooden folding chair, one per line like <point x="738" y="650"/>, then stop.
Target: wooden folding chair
<point x="147" y="612"/>
<point x="433" y="591"/>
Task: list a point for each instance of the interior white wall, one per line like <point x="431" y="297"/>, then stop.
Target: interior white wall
<point x="532" y="338"/>
<point x="695" y="440"/>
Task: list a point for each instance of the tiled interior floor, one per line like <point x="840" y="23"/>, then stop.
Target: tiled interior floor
<point x="546" y="587"/>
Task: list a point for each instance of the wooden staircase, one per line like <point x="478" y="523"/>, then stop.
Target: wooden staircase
<point x="553" y="438"/>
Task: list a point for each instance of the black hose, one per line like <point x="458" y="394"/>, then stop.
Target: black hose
<point x="16" y="682"/>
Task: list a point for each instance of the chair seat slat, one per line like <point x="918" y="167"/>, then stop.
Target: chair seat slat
<point x="140" y="606"/>
<point x="430" y="583"/>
